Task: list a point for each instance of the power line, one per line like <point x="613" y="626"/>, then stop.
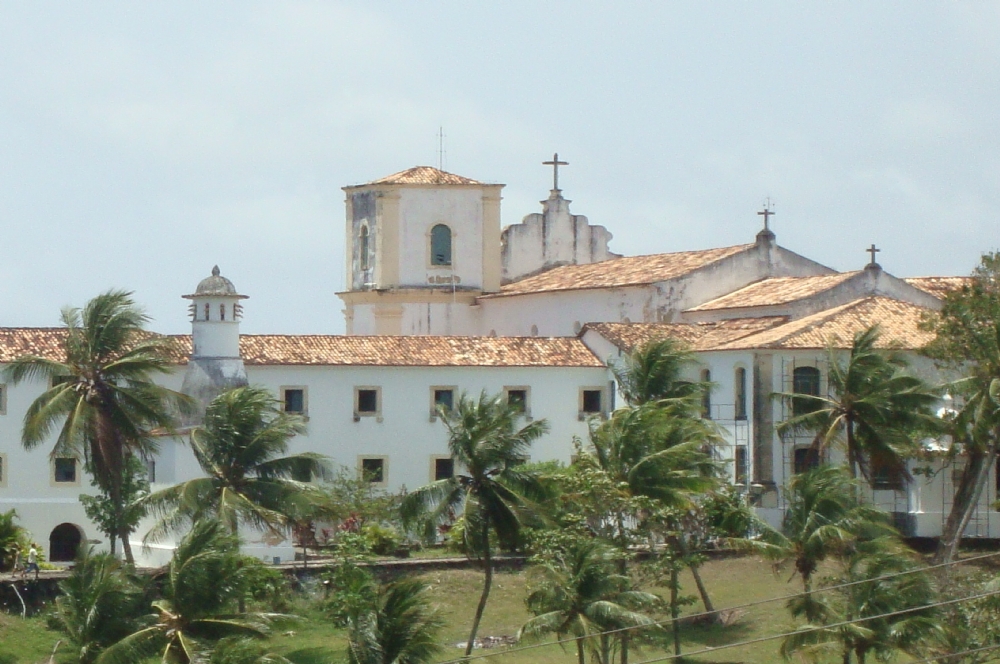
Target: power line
<point x="692" y="616"/>
<point x="807" y="629"/>
<point x="748" y="605"/>
<point x="938" y="658"/>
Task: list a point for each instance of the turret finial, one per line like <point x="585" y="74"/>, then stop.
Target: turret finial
<point x="215" y="271"/>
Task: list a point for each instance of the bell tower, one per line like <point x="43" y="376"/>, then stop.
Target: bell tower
<point x="421" y="245"/>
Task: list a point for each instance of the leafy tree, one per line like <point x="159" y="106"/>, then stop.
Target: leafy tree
<point x="823" y="519"/>
<point x="98" y="604"/>
<point x="874" y="405"/>
<point x="399" y="627"/>
<point x="490" y="486"/>
<point x="204" y="581"/>
<point x="880" y="635"/>
<point x="241" y="449"/>
<point x="108" y="517"/>
<point x="101" y="398"/>
<point x="967" y="340"/>
<point x="972" y="624"/>
<point x="578" y="592"/>
<point x="13" y="538"/>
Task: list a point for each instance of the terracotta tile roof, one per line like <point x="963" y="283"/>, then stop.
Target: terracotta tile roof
<point x="424" y="175"/>
<point x="938" y="286"/>
<point x="776" y="290"/>
<point x="899" y="322"/>
<point x="699" y="336"/>
<point x="319" y="350"/>
<point x="616" y="272"/>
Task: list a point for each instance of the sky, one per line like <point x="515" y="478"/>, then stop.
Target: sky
<point x="143" y="143"/>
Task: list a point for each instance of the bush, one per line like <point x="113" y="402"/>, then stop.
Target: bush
<point x="381" y="540"/>
<point x="349" y="589"/>
<point x="265" y="584"/>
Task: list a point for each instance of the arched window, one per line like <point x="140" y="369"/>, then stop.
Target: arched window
<point x="64" y="541"/>
<point x="206" y="310"/>
<point x="363" y="248"/>
<point x="706" y="394"/>
<point x="805" y="380"/>
<point x="440" y="245"/>
<point x="740" y="392"/>
<point x="222" y="312"/>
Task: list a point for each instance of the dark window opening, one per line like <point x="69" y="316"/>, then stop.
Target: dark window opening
<point x="592" y="401"/>
<point x="222" y="312"/>
<point x="741" y="393"/>
<point x="706" y="394"/>
<point x="806" y="458"/>
<point x="740" y="462"/>
<point x="373" y="470"/>
<point x="151" y="471"/>
<point x="444" y="469"/>
<point x="363" y="249"/>
<point x="444" y="400"/>
<point x="440" y="245"/>
<point x="295" y="401"/>
<point x="367" y="402"/>
<point x="207" y="310"/>
<point x="518" y="399"/>
<point x="64" y="541"/>
<point x="886" y="477"/>
<point x="2" y="470"/>
<point x="805" y="380"/>
<point x="65" y="469"/>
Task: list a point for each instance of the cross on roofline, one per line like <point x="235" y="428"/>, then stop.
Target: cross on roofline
<point x="767" y="213"/>
<point x="555" y="164"/>
<point x="873" y="250"/>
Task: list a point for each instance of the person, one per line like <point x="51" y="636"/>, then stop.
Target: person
<point x="32" y="562"/>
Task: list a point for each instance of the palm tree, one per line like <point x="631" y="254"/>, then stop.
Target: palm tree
<point x="654" y="371"/>
<point x="101" y="397"/>
<point x="400" y="627"/>
<point x="97" y="605"/>
<point x="12" y="539"/>
<point x="874" y="405"/>
<point x="204" y="580"/>
<point x="823" y="518"/>
<point x="879" y="634"/>
<point x="489" y="487"/>
<point x="580" y="594"/>
<point x="240" y="449"/>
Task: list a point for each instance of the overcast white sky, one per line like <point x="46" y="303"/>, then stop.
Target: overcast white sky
<point x="142" y="143"/>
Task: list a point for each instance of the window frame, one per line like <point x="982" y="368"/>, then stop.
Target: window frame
<point x="364" y="249"/>
<point x="818" y="458"/>
<point x="384" y="458"/>
<point x="433" y="467"/>
<point x="450" y="265"/>
<point x="507" y="389"/>
<point x="801" y="409"/>
<point x="4" y="469"/>
<point x="76" y="472"/>
<point x="705" y="377"/>
<point x="377" y="413"/>
<point x="3" y="398"/>
<point x="433" y="402"/>
<point x="602" y="412"/>
<point x="738" y="464"/>
<point x="305" y="400"/>
<point x="740" y="401"/>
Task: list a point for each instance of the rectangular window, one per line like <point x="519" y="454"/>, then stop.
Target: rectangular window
<point x="805" y="380"/>
<point x="3" y="470"/>
<point x="885" y="477"/>
<point x="151" y="470"/>
<point x="442" y="397"/>
<point x="740" y="392"/>
<point x="806" y="458"/>
<point x="64" y="470"/>
<point x="293" y="400"/>
<point x="591" y="401"/>
<point x="518" y="398"/>
<point x="740" y="463"/>
<point x="444" y="468"/>
<point x="374" y="470"/>
<point x="367" y="402"/>
<point x="3" y="399"/>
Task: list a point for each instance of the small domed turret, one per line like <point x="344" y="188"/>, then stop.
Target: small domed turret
<point x="215" y="285"/>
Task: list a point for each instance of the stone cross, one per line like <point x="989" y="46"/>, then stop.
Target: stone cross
<point x="555" y="164"/>
<point x="767" y="213"/>
<point x="872" y="250"/>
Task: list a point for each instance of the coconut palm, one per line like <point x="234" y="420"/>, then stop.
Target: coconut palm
<point x="98" y="604"/>
<point x="655" y="370"/>
<point x="101" y="398"/>
<point x="579" y="593"/>
<point x="400" y="627"/>
<point x="490" y="487"/>
<point x="248" y="478"/>
<point x="823" y="518"/>
<point x="874" y="405"/>
<point x="204" y="581"/>
<point x="880" y="635"/>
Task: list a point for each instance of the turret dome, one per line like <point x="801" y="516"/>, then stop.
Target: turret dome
<point x="215" y="285"/>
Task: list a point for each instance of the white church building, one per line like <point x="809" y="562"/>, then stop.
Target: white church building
<point x="440" y="300"/>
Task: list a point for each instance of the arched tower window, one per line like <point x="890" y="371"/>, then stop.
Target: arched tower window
<point x="440" y="245"/>
<point x="805" y="380"/>
<point x="706" y="394"/>
<point x="206" y="310"/>
<point x="363" y="248"/>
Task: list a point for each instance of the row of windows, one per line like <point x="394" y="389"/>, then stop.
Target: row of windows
<point x="739" y="394"/>
<point x="440" y="246"/>
<point x="368" y="400"/>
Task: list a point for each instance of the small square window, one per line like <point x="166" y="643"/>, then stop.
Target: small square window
<point x="444" y="398"/>
<point x="64" y="470"/>
<point x="373" y="469"/>
<point x="592" y="401"/>
<point x="366" y="401"/>
<point x="444" y="468"/>
<point x="294" y="400"/>
<point x="517" y="397"/>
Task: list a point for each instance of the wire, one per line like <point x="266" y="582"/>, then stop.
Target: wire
<point x="817" y="628"/>
<point x="938" y="658"/>
<point x="692" y="616"/>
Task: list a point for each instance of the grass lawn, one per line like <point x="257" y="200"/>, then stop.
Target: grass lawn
<point x="731" y="582"/>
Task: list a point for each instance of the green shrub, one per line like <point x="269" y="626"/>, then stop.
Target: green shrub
<point x="381" y="540"/>
<point x="265" y="584"/>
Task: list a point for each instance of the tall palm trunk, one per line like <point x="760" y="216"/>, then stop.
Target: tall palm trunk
<point x="487" y="583"/>
<point x="970" y="488"/>
<point x="623" y="570"/>
<point x="675" y="610"/>
<point x="605" y="649"/>
<point x="712" y="616"/>
<point x="580" y="657"/>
